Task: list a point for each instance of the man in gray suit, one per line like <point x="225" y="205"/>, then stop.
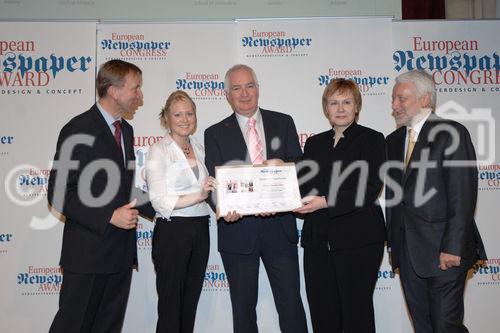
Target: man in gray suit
<point x="431" y="199"/>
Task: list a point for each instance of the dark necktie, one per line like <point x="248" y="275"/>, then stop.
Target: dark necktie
<point x="118" y="133"/>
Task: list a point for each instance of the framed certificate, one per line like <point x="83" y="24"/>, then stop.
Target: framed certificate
<point x="251" y="189"/>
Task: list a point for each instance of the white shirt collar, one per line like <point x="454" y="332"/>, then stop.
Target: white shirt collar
<point x="243" y="121"/>
<point x="418" y="126"/>
<point x="107" y="117"/>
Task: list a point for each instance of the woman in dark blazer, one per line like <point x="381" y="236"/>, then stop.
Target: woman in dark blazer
<point x="344" y="232"/>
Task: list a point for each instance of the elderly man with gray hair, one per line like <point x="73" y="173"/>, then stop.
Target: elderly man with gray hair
<point x="431" y="197"/>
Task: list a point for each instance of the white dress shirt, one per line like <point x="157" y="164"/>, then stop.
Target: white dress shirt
<point x="110" y="120"/>
<point x="169" y="175"/>
<point x="416" y="130"/>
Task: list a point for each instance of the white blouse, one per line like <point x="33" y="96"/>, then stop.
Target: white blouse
<point x="169" y="175"/>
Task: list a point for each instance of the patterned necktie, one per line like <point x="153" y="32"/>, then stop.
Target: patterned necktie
<point x="254" y="144"/>
<point x="411" y="145"/>
<point x="118" y="133"/>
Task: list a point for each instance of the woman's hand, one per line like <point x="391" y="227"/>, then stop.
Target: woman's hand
<point x="208" y="186"/>
<point x="311" y="204"/>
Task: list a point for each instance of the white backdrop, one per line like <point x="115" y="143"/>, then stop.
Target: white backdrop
<point x="468" y="83"/>
<point x="294" y="59"/>
<point x="34" y="107"/>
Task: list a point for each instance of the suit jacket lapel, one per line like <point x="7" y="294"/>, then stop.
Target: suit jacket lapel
<point x="397" y="152"/>
<point x="235" y="136"/>
<point x="103" y="131"/>
<point x="269" y="133"/>
<point x="127" y="140"/>
<point x="348" y="136"/>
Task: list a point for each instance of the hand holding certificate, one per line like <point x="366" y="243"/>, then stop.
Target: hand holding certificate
<point x="249" y="189"/>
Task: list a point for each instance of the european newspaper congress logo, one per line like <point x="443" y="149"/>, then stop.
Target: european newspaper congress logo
<point x="26" y="184"/>
<point x="5" y="142"/>
<point x="39" y="281"/>
<point x="457" y="66"/>
<point x="368" y="83"/>
<point x="386" y="278"/>
<point x="202" y="86"/>
<point x="489" y="177"/>
<point x="144" y="237"/>
<point x="215" y="279"/>
<point x="278" y="43"/>
<point x="487" y="274"/>
<point x="141" y="147"/>
<point x="135" y="47"/>
<point x="5" y="238"/>
<point x="23" y="71"/>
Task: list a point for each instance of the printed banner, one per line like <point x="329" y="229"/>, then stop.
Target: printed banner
<point x="47" y="73"/>
<point x="194" y="58"/>
<point x="464" y="62"/>
<point x="295" y="60"/>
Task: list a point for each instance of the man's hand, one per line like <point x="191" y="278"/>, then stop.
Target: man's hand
<point x="126" y="216"/>
<point x="447" y="260"/>
<point x="311" y="204"/>
<point x="273" y="162"/>
<point x="232" y="217"/>
<point x="266" y="214"/>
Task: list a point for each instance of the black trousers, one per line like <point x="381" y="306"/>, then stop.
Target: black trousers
<point x="436" y="304"/>
<point x="92" y="302"/>
<point x="280" y="258"/>
<point x="340" y="286"/>
<point x="180" y="254"/>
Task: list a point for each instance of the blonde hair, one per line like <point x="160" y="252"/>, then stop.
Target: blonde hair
<point x="174" y="97"/>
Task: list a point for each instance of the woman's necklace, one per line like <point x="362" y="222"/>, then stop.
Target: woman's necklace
<point x="185" y="146"/>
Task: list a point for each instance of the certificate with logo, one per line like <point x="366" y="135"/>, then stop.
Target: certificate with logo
<point x="249" y="189"/>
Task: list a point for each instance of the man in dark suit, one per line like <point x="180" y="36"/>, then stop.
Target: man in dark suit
<point x="91" y="183"/>
<point x="431" y="198"/>
<point x="253" y="135"/>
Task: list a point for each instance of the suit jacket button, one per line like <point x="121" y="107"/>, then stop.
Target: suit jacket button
<point x="403" y="203"/>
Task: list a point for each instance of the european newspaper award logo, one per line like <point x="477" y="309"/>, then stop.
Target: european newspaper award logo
<point x="39" y="281"/>
<point x="24" y="71"/>
<point x="368" y="83"/>
<point x="277" y="43"/>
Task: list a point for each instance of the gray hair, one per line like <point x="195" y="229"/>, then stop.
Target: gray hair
<point x="424" y="84"/>
<point x="235" y="68"/>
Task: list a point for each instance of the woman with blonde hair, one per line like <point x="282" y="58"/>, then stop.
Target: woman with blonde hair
<point x="178" y="185"/>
